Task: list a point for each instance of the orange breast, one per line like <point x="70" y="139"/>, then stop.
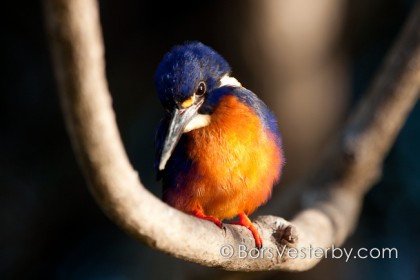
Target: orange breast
<point x="236" y="161"/>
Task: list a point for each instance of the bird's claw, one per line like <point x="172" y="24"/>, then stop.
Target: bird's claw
<point x="201" y="215"/>
<point x="246" y="222"/>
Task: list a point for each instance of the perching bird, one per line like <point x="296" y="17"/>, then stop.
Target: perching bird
<point x="218" y="148"/>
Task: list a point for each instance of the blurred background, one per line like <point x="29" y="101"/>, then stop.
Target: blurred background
<point x="310" y="61"/>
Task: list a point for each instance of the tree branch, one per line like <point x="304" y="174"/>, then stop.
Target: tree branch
<point x="328" y="218"/>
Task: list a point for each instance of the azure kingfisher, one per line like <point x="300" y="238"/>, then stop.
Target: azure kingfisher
<point x="218" y="149"/>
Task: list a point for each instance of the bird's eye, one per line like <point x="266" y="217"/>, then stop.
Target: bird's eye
<point x="202" y="88"/>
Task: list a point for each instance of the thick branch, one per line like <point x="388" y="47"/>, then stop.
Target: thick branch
<point x="77" y="46"/>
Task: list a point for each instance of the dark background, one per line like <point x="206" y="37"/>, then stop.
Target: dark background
<point x="51" y="228"/>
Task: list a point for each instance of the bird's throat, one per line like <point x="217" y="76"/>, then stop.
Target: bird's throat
<point x="198" y="121"/>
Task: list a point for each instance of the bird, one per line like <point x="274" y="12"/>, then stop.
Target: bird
<point x="218" y="148"/>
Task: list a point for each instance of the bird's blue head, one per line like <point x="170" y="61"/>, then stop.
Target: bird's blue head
<point x="188" y="70"/>
<point x="184" y="80"/>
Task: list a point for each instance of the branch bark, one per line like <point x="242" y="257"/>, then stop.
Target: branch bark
<point x="331" y="207"/>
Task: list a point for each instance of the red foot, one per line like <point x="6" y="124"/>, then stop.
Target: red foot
<point x="246" y="222"/>
<point x="199" y="214"/>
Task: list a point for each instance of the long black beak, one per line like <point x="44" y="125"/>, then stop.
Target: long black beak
<point x="180" y="119"/>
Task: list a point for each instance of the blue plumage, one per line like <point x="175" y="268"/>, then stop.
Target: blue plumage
<point x="183" y="68"/>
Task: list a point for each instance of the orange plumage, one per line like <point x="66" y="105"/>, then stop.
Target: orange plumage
<point x="235" y="164"/>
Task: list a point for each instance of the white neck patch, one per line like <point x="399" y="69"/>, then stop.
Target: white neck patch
<point x="197" y="122"/>
<point x="201" y="120"/>
<point x="227" y="80"/>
